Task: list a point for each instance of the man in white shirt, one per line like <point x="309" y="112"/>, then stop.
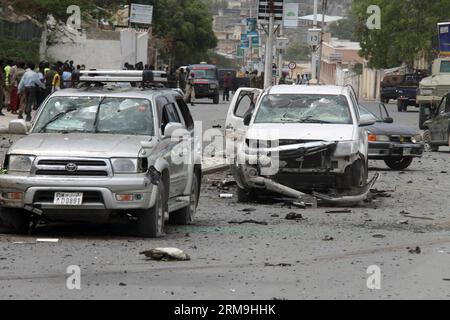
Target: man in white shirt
<point x="29" y="86"/>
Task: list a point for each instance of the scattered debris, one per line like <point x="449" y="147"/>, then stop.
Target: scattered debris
<point x="122" y="284"/>
<point x="48" y="240"/>
<point x="278" y="265"/>
<point x="339" y="211"/>
<point x="328" y="238"/>
<point x="379" y="236"/>
<point x="403" y="222"/>
<point x="166" y="254"/>
<point x="416" y="217"/>
<point x="275" y="215"/>
<point x="417" y="250"/>
<point x="217" y="126"/>
<point x="248" y="210"/>
<point x="446" y="279"/>
<point x="404" y="212"/>
<point x="380" y="193"/>
<point x="294" y="216"/>
<point x="226" y="196"/>
<point x="249" y="221"/>
<point x="444" y="172"/>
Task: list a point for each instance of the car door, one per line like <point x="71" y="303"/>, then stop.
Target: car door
<point x="243" y="103"/>
<point x="440" y="124"/>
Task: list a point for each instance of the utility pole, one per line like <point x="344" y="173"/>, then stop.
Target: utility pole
<point x="269" y="46"/>
<point x="324" y="11"/>
<point x="281" y="56"/>
<point x="314" y="55"/>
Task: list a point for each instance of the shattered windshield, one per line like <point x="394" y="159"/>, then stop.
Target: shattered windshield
<point x="288" y="108"/>
<point x="106" y="115"/>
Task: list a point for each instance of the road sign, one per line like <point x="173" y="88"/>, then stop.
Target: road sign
<point x="282" y="43"/>
<point x="141" y="14"/>
<point x="268" y="7"/>
<point x="314" y="37"/>
<point x="292" y="66"/>
<point x="291" y="15"/>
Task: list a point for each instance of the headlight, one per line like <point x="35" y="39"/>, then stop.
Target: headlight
<point x="124" y="165"/>
<point x="417" y="139"/>
<point x="427" y="92"/>
<point x="379" y="138"/>
<point x="20" y="163"/>
<point x="347" y="148"/>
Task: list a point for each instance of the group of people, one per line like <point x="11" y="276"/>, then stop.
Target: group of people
<point x="23" y="86"/>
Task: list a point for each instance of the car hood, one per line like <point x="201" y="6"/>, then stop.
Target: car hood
<point x="391" y="129"/>
<point x="304" y="131"/>
<point x="79" y="145"/>
<point x="440" y="79"/>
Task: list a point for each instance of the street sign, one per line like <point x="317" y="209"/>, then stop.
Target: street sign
<point x="292" y="66"/>
<point x="245" y="41"/>
<point x="252" y="29"/>
<point x="444" y="38"/>
<point x="314" y="37"/>
<point x="282" y="43"/>
<point x="141" y="14"/>
<point x="291" y="15"/>
<point x="269" y="7"/>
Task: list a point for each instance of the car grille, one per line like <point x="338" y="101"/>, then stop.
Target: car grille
<point x="296" y="159"/>
<point x="49" y="196"/>
<point x="401" y="139"/>
<point x="83" y="167"/>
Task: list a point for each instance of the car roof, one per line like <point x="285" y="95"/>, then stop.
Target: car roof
<point x="314" y="89"/>
<point x="115" y="92"/>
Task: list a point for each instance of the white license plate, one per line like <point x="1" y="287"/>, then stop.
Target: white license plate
<point x="407" y="151"/>
<point x="68" y="199"/>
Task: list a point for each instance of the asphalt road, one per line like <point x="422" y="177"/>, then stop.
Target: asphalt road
<point x="276" y="259"/>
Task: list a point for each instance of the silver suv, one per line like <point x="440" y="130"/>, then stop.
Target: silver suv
<point x="104" y="151"/>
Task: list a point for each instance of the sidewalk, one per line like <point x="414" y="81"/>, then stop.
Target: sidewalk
<point x="210" y="165"/>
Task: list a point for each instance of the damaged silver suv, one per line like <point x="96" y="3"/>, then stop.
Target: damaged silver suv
<point x="298" y="140"/>
<point x="100" y="152"/>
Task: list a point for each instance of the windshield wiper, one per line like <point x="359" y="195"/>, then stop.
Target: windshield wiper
<point x="314" y="121"/>
<point x="56" y="118"/>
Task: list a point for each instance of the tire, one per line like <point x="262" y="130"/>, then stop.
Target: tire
<point x="245" y="196"/>
<point x="186" y="215"/>
<point x="216" y="99"/>
<point x="422" y="117"/>
<point x="427" y="142"/>
<point x="399" y="163"/>
<point x="14" y="221"/>
<point x="150" y="222"/>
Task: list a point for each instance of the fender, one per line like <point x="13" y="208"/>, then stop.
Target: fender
<point x="161" y="165"/>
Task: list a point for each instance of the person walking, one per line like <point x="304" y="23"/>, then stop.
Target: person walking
<point x="2" y="85"/>
<point x="182" y="79"/>
<point x="228" y="86"/>
<point x="17" y="101"/>
<point x="7" y="83"/>
<point x="29" y="85"/>
<point x="190" y="90"/>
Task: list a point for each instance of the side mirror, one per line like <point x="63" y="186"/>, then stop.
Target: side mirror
<point x="247" y="119"/>
<point x="18" y="127"/>
<point x="149" y="144"/>
<point x="389" y="120"/>
<point x="366" y="121"/>
<point x="175" y="130"/>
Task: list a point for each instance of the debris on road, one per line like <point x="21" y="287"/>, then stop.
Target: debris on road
<point x="226" y="196"/>
<point x="294" y="216"/>
<point x="48" y="240"/>
<point x="417" y="250"/>
<point x="166" y="254"/>
<point x="248" y="210"/>
<point x="249" y="221"/>
<point x="278" y="265"/>
<point x="380" y="193"/>
<point x="328" y="238"/>
<point x="217" y="126"/>
<point x="339" y="211"/>
<point x="406" y="214"/>
<point x="403" y="222"/>
<point x="379" y="236"/>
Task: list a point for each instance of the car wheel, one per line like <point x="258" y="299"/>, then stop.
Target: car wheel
<point x="427" y="142"/>
<point x="399" y="163"/>
<point x="186" y="215"/>
<point x="245" y="196"/>
<point x="216" y="99"/>
<point x="14" y="221"/>
<point x="150" y="223"/>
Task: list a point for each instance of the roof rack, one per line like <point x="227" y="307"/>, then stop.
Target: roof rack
<point x="147" y="77"/>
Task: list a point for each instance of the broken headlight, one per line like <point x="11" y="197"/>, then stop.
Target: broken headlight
<point x="124" y="165"/>
<point x="417" y="139"/>
<point x="347" y="148"/>
<point x="20" y="163"/>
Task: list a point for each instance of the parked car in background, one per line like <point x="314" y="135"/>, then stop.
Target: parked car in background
<point x="389" y="87"/>
<point x="104" y="152"/>
<point x="289" y="138"/>
<point x="407" y="90"/>
<point x="437" y="129"/>
<point x="396" y="145"/>
<point x="206" y="81"/>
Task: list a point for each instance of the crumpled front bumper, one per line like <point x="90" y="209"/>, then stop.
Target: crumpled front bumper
<point x="105" y="191"/>
<point x="382" y="150"/>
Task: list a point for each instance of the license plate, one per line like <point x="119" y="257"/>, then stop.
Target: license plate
<point x="68" y="199"/>
<point x="407" y="151"/>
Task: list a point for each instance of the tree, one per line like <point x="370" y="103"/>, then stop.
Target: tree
<point x="298" y="52"/>
<point x="344" y="29"/>
<point x="408" y="28"/>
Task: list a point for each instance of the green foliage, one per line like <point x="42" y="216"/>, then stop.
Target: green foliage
<point x="298" y="52"/>
<point x="408" y="28"/>
<point x="19" y="50"/>
<point x="221" y="61"/>
<point x="185" y="27"/>
<point x="344" y="29"/>
<point x="41" y="9"/>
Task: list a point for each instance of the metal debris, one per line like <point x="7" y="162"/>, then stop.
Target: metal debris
<point x="226" y="196"/>
<point x="278" y="265"/>
<point x="339" y="211"/>
<point x="249" y="221"/>
<point x="166" y="254"/>
<point x="417" y="250"/>
<point x="328" y="238"/>
<point x="294" y="216"/>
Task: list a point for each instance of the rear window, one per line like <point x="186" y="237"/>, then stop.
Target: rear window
<point x="445" y="66"/>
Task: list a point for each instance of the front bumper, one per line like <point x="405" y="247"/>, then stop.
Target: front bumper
<point x="383" y="150"/>
<point x="100" y="193"/>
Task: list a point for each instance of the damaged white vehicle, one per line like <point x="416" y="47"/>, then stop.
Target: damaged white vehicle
<point x="299" y="141"/>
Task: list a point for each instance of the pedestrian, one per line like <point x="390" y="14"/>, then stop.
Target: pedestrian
<point x="261" y="81"/>
<point x="17" y="100"/>
<point x="2" y="85"/>
<point x="7" y="83"/>
<point x="190" y="90"/>
<point x="299" y="79"/>
<point x="56" y="80"/>
<point x="41" y="91"/>
<point x="29" y="85"/>
<point x="67" y="76"/>
<point x="282" y="79"/>
<point x="182" y="79"/>
<point x="228" y="86"/>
